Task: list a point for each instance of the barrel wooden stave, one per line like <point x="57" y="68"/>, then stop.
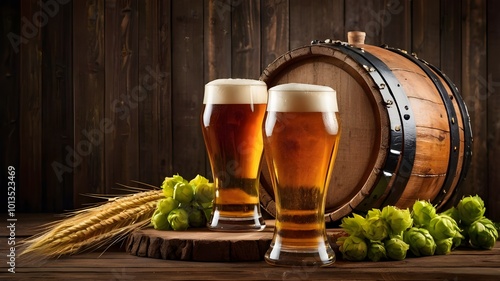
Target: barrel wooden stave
<point x="462" y="117"/>
<point x="432" y="142"/>
<point x="433" y="129"/>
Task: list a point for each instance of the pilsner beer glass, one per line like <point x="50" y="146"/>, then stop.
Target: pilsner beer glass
<point x="232" y="117"/>
<point x="301" y="134"/>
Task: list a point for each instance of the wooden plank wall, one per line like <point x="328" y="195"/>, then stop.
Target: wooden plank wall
<point x="99" y="92"/>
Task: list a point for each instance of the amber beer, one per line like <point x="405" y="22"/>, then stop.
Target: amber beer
<point x="301" y="134"/>
<point x="232" y="117"/>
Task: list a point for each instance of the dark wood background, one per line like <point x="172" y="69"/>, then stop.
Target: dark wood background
<point x="97" y="92"/>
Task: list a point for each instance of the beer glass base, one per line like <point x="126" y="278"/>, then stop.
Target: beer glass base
<point x="280" y="257"/>
<point x="237" y="224"/>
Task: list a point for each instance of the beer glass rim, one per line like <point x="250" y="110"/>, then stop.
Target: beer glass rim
<point x="301" y="97"/>
<point x="235" y="91"/>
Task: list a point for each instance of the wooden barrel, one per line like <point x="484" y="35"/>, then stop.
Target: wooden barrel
<point x="405" y="129"/>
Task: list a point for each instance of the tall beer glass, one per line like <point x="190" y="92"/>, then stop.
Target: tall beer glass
<point x="301" y="134"/>
<point x="232" y="117"/>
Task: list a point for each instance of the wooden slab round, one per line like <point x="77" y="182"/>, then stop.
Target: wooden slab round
<point x="203" y="244"/>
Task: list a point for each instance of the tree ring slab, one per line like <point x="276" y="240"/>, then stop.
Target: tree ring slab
<point x="201" y="244"/>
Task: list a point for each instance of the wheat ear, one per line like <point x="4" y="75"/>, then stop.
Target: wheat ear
<point x="95" y="226"/>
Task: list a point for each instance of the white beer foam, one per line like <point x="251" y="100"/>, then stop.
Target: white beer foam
<point x="235" y="91"/>
<point x="297" y="97"/>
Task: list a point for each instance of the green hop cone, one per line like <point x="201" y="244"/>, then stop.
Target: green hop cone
<point x="354" y="225"/>
<point x="172" y="181"/>
<point x="206" y="205"/>
<point x="206" y="208"/>
<point x="166" y="205"/>
<point x="208" y="213"/>
<point x="183" y="192"/>
<point x="470" y="209"/>
<point x="340" y="241"/>
<point x="444" y="246"/>
<point x="376" y="251"/>
<point x="375" y="227"/>
<point x="169" y="184"/>
<point x="482" y="234"/>
<point x="160" y="221"/>
<point x="422" y="213"/>
<point x="178" y="219"/>
<point x="354" y="248"/>
<point x="398" y="219"/>
<point x="199" y="179"/>
<point x="204" y="192"/>
<point x="396" y="248"/>
<point x="374" y="213"/>
<point x="443" y="227"/>
<point x="197" y="218"/>
<point x="458" y="239"/>
<point x="453" y="213"/>
<point x="168" y="189"/>
<point x="420" y="241"/>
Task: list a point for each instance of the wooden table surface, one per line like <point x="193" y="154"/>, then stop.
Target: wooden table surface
<point x="116" y="264"/>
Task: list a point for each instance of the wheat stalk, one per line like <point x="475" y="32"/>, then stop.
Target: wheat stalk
<point x="94" y="227"/>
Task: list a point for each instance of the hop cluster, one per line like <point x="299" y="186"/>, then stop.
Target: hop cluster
<point x="391" y="232"/>
<point x="479" y="231"/>
<point x="378" y="235"/>
<point x="444" y="232"/>
<point x="463" y="225"/>
<point x="186" y="204"/>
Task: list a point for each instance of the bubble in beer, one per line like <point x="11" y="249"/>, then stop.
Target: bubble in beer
<point x="235" y="91"/>
<point x="297" y="97"/>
